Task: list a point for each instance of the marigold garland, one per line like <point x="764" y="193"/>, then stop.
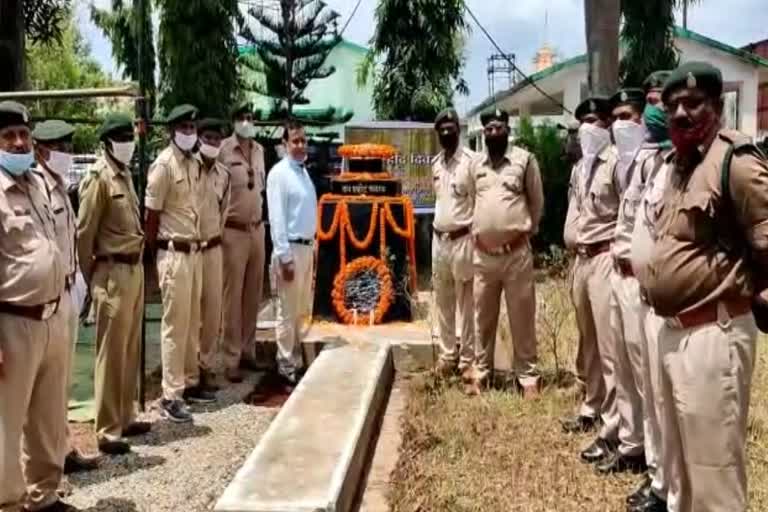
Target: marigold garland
<point x="386" y="292"/>
<point x="375" y="151"/>
<point x="381" y="208"/>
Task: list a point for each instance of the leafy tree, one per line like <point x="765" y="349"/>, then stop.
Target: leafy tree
<point x="649" y="35"/>
<point x="36" y="20"/>
<point x="66" y="64"/>
<point x="601" y="18"/>
<point x="198" y="53"/>
<point x="290" y="50"/>
<point x="121" y="25"/>
<point x="416" y="57"/>
<point x="546" y="143"/>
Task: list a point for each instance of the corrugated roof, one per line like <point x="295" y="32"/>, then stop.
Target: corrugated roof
<point x="680" y="32"/>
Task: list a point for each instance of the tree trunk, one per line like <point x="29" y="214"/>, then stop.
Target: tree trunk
<point x="602" y="29"/>
<point x="289" y="17"/>
<point x="12" y="76"/>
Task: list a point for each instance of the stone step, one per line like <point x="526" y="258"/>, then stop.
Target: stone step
<point x="314" y="454"/>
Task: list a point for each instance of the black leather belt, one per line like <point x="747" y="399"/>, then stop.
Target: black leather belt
<point x="213" y="242"/>
<point x="452" y="235"/>
<point x="125" y="259"/>
<point x="38" y="312"/>
<point x="187" y="246"/>
<point x="301" y="241"/>
<point x="624" y="267"/>
<point x="242" y="226"/>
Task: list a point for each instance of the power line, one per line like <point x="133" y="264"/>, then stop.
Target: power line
<point x="526" y="78"/>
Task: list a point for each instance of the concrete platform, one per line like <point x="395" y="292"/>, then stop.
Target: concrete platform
<point x="313" y="456"/>
<point x="413" y="343"/>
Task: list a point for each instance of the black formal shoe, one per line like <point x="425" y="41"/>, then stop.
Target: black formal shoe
<point x="208" y="381"/>
<point x="137" y="428"/>
<point x="651" y="504"/>
<point x="578" y="424"/>
<point x="599" y="450"/>
<point x="618" y="463"/>
<point x="114" y="447"/>
<point x="641" y="493"/>
<point x="197" y="395"/>
<point x="59" y="506"/>
<point x="74" y="462"/>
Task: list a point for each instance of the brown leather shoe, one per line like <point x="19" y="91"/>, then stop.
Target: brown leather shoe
<point x="137" y="428"/>
<point x="233" y="375"/>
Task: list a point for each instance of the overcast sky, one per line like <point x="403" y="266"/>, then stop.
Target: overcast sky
<point x="521" y="30"/>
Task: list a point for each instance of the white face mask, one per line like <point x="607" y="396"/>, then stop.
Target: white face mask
<point x="209" y="151"/>
<point x="629" y="136"/>
<point x="59" y="162"/>
<point x="185" y="142"/>
<point x="593" y="139"/>
<point x="123" y="151"/>
<point x="245" y="129"/>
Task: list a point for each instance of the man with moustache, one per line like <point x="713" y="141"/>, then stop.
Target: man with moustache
<point x="504" y="185"/>
<point x="706" y="273"/>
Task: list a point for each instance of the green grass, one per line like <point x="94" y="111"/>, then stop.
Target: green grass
<point x="498" y="452"/>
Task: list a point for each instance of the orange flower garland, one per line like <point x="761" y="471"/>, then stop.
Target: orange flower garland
<point x="382" y="151"/>
<point x="341" y="225"/>
<point x="386" y="292"/>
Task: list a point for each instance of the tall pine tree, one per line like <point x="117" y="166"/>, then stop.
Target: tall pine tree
<point x="198" y="54"/>
<point x="290" y="51"/>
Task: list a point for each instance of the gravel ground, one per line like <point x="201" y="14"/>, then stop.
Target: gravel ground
<point x="178" y="467"/>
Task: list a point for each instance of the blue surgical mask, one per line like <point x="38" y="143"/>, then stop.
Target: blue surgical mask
<point x="16" y="163"/>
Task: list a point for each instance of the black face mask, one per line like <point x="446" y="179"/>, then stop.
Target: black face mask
<point x="497" y="145"/>
<point x="449" y="141"/>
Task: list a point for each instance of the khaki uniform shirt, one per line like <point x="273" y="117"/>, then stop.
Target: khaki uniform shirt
<point x="644" y="234"/>
<point x="215" y="191"/>
<point x="245" y="204"/>
<point x="699" y="255"/>
<point x="174" y="186"/>
<point x="452" y="211"/>
<point x="64" y="217"/>
<point x="108" y="220"/>
<point x="508" y="199"/>
<point x="32" y="270"/>
<point x="593" y="204"/>
<point x="647" y="161"/>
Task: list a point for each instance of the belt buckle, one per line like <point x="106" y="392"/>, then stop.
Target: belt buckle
<point x="203" y="245"/>
<point x="49" y="310"/>
<point x="194" y="246"/>
<point x="582" y="251"/>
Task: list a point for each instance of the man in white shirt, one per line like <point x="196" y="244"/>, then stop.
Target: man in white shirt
<point x="293" y="222"/>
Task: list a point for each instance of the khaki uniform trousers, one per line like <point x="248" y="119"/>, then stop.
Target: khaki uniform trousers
<point x="181" y="280"/>
<point x="117" y="292"/>
<point x="243" y="290"/>
<point x="651" y="325"/>
<point x="452" y="276"/>
<point x="625" y="322"/>
<point x="512" y="274"/>
<point x="591" y="296"/>
<point x="706" y="380"/>
<point x="33" y="403"/>
<point x="74" y="324"/>
<point x="294" y="306"/>
<point x="211" y="307"/>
